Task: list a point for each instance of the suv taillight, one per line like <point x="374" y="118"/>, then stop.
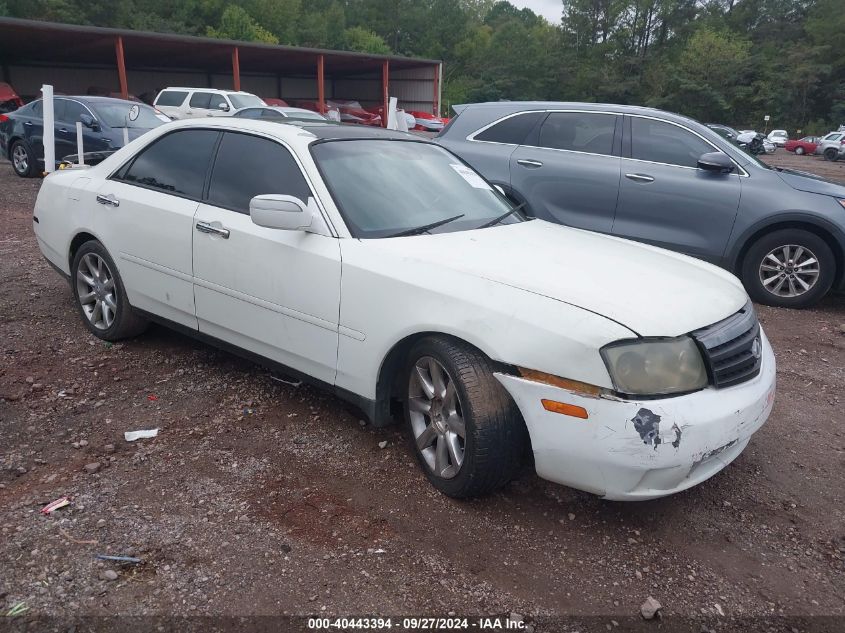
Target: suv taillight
<point x="3" y="118"/>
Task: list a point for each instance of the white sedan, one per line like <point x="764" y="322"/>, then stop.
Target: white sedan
<point x="630" y="371"/>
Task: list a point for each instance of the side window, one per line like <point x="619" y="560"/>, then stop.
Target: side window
<point x="37" y="109"/>
<point x="269" y="113"/>
<point x="579" y="131"/>
<point x="248" y="166"/>
<point x="200" y="100"/>
<point x="214" y="101"/>
<point x="661" y="142"/>
<point x="59" y="109"/>
<point x="171" y="98"/>
<point x="512" y="130"/>
<point x="249" y="113"/>
<point x="176" y="163"/>
<point x="73" y="110"/>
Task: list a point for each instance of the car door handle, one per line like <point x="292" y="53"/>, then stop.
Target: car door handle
<point x="527" y="162"/>
<point x="29" y="123"/>
<point x="639" y="177"/>
<point x="109" y="200"/>
<point x="205" y="227"/>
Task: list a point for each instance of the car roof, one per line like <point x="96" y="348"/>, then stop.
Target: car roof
<point x="297" y="131"/>
<point x="237" y="92"/>
<point x="92" y="99"/>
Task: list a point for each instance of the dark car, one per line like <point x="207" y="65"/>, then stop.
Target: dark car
<point x="724" y="131"/>
<point x="664" y="179"/>
<point x="103" y="120"/>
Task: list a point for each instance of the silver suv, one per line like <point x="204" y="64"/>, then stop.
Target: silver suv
<point x="663" y="179"/>
<point x="830" y="144"/>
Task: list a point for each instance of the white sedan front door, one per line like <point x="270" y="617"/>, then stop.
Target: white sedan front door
<point x="274" y="293"/>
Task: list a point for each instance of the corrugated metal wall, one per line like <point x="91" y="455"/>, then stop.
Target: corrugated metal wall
<point x="414" y="88"/>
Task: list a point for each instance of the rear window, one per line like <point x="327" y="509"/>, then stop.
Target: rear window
<point x="512" y="130"/>
<point x="171" y="98"/>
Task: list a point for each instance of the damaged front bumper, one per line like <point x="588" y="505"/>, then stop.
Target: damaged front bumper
<point x="633" y="450"/>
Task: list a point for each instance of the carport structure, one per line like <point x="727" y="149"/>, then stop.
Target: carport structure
<point x="77" y="59"/>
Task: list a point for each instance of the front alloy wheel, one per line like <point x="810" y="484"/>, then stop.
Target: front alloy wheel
<point x="789" y="271"/>
<point x="436" y="419"/>
<point x="465" y="429"/>
<point x="790" y="268"/>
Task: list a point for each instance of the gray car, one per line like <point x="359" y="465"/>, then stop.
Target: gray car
<point x="663" y="179"/>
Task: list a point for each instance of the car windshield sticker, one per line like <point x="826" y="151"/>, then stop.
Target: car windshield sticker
<point x="470" y="176"/>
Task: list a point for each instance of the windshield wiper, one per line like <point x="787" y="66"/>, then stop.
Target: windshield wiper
<point x="502" y="217"/>
<point x="426" y="227"/>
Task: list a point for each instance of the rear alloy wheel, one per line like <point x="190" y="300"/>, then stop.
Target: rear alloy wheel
<point x="830" y="153"/>
<point x="799" y="150"/>
<point x="23" y="161"/>
<point x="789" y="268"/>
<point x="100" y="295"/>
<point x="465" y="429"/>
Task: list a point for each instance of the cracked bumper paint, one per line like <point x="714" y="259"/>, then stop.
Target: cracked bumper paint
<point x="632" y="450"/>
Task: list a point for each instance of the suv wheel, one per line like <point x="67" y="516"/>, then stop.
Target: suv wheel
<point x="465" y="429"/>
<point x="790" y="268"/>
<point x="23" y="160"/>
<point x="830" y="153"/>
<point x="100" y="296"/>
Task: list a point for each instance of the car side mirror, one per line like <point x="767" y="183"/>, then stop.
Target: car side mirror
<point x="275" y="211"/>
<point x="224" y="107"/>
<point x="716" y="162"/>
<point x="89" y="122"/>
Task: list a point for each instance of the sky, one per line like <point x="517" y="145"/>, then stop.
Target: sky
<point x="549" y="9"/>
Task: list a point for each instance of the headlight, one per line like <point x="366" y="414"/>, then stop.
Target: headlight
<point x="655" y="367"/>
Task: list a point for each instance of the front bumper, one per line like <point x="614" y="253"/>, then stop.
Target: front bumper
<point x="694" y="436"/>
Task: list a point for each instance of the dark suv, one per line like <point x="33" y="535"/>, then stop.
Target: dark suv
<point x="663" y="179"/>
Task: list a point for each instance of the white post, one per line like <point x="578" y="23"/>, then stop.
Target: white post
<point x="126" y="135"/>
<point x="80" y="149"/>
<point x="49" y="135"/>
<point x="391" y="113"/>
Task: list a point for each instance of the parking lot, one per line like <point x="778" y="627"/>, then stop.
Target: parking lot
<point x="260" y="498"/>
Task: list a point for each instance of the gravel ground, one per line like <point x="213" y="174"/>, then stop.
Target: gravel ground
<point x="258" y="498"/>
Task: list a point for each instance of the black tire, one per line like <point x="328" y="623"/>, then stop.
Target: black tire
<point x="751" y="268"/>
<point x="830" y="153"/>
<point x="495" y="434"/>
<point x="126" y="322"/>
<point x="799" y="150"/>
<point x="31" y="163"/>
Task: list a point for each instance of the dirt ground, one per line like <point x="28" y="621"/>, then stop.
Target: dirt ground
<point x="258" y="498"/>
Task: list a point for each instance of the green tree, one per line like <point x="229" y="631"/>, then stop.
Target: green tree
<point x="360" y="39"/>
<point x="236" y="24"/>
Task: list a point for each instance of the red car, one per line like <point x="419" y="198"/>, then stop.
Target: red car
<point x="9" y="99"/>
<point x="350" y="111"/>
<point x="274" y="101"/>
<point x="806" y="145"/>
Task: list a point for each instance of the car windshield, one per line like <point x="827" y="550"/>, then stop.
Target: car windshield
<point x="385" y="187"/>
<point x="245" y="101"/>
<point x="117" y="115"/>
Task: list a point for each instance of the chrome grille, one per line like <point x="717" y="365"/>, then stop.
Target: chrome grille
<point x="732" y="348"/>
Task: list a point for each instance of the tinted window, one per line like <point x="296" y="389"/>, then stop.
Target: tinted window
<point x="36" y="109"/>
<point x="665" y="143"/>
<point x="176" y="163"/>
<point x="200" y="100"/>
<point x="268" y="113"/>
<point x="248" y="166"/>
<point x="512" y="130"/>
<point x="214" y="101"/>
<point x="579" y="131"/>
<point x="171" y="98"/>
<point x="59" y="109"/>
<point x="249" y="113"/>
<point x="73" y="110"/>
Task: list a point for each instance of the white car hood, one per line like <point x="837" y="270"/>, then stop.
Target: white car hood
<point x="651" y="291"/>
